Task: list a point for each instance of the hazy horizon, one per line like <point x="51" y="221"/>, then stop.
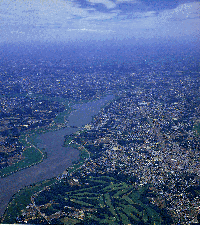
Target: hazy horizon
<point x="112" y="21"/>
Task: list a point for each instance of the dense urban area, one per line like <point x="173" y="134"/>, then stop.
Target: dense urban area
<point x="139" y="157"/>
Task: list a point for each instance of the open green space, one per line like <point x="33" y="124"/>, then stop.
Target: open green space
<point x="61" y="117"/>
<point x="68" y="139"/>
<point x="31" y="156"/>
<point x="104" y="200"/>
<point x="197" y="128"/>
<point x="83" y="154"/>
<point x="21" y="199"/>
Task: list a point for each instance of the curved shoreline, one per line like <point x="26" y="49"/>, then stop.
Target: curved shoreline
<point x="59" y="157"/>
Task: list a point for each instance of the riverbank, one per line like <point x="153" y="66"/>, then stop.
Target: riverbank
<point x="31" y="154"/>
<point x="59" y="157"/>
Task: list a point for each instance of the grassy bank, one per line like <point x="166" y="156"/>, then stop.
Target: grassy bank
<point x="31" y="156"/>
<point x="21" y="199"/>
<point x="197" y="128"/>
<point x="83" y="155"/>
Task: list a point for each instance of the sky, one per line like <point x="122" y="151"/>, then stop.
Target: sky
<point x="81" y="20"/>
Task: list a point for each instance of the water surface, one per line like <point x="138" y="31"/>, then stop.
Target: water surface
<point x="58" y="157"/>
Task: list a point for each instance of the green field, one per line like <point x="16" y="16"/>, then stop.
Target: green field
<point x="83" y="155"/>
<point x="31" y="157"/>
<point x="61" y="117"/>
<point x="104" y="200"/>
<point x="114" y="203"/>
<point x="68" y="139"/>
<point x="21" y="199"/>
<point x="197" y="128"/>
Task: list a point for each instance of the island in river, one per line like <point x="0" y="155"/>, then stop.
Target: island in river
<point x="59" y="157"/>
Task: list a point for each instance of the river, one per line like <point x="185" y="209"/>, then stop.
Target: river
<point x="58" y="157"/>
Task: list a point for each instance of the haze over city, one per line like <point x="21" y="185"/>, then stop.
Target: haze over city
<point x="99" y="112"/>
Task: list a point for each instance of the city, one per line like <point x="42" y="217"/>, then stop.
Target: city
<point x="144" y="144"/>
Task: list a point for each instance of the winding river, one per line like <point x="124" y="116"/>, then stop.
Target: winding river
<point x="58" y="157"/>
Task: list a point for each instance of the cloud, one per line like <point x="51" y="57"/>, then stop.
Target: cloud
<point x="101" y="17"/>
<point x="91" y="30"/>
<point x="17" y="32"/>
<point x="182" y="12"/>
<point x="107" y="3"/>
<point x="121" y="1"/>
<point x="42" y="12"/>
<point x="97" y="16"/>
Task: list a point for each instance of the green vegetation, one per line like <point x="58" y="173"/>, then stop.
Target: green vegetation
<point x="103" y="199"/>
<point x="21" y="199"/>
<point x="83" y="155"/>
<point x="31" y="156"/>
<point x="61" y="117"/>
<point x="68" y="139"/>
<point x="197" y="128"/>
<point x="69" y="221"/>
<point x="33" y="138"/>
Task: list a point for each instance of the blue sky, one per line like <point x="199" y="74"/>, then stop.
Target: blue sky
<point x="65" y="20"/>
